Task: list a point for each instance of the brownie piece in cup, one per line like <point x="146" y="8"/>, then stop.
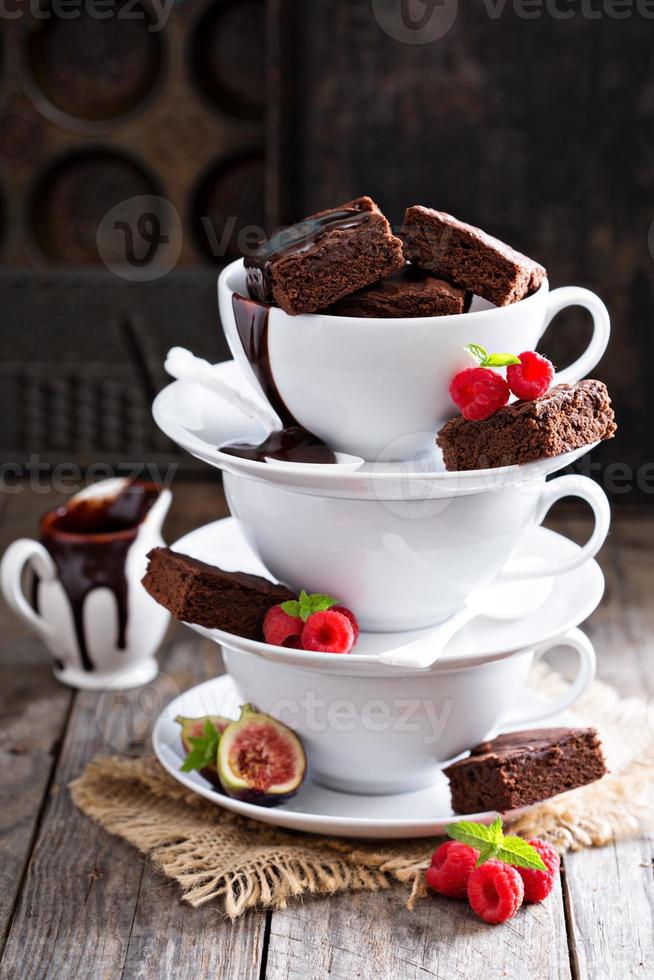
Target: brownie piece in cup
<point x="409" y="292"/>
<point x="308" y="266"/>
<point x="468" y="257"/>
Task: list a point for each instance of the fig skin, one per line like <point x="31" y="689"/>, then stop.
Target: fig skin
<point x="232" y="786"/>
<point x="194" y="727"/>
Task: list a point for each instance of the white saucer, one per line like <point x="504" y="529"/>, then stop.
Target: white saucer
<point x="574" y="597"/>
<point x="200" y="421"/>
<point x="315" y="809"/>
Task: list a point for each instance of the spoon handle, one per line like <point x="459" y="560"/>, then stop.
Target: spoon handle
<point x="424" y="652"/>
<point x="185" y="366"/>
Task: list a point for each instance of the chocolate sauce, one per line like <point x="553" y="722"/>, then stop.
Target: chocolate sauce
<point x="296" y="238"/>
<point x="88" y="541"/>
<point x="293" y="443"/>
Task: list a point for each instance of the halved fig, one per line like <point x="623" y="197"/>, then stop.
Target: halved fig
<point x="260" y="760"/>
<point x="195" y="728"/>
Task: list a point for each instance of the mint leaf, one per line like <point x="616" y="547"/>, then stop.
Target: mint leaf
<point x="495" y="830"/>
<point x="519" y="853"/>
<point x="475" y="835"/>
<point x="306" y="605"/>
<point x="500" y="360"/>
<point x="491" y="843"/>
<point x="487" y="852"/>
<point x="484" y="359"/>
<point x="317" y="602"/>
<point x="479" y="353"/>
<point x="204" y="749"/>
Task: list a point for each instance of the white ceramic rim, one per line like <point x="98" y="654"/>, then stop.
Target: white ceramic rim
<point x="341" y="664"/>
<point x="337" y="478"/>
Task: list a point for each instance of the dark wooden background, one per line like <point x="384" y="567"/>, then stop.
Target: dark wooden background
<point x="540" y="130"/>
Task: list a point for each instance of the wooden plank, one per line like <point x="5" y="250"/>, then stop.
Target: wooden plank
<point x="89" y="906"/>
<point x="33" y="711"/>
<point x="80" y="901"/>
<point x="373" y="936"/>
<point x="610" y="890"/>
<point x="610" y="894"/>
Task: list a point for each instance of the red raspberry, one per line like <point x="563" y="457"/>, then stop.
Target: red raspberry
<point x="328" y="632"/>
<point x="531" y="377"/>
<point x="538" y="884"/>
<point x="344" y="611"/>
<point x="479" y="392"/>
<point x="495" y="891"/>
<point x="451" y="866"/>
<point x="280" y="629"/>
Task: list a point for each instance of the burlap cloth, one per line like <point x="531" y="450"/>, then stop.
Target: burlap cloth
<point x="214" y="854"/>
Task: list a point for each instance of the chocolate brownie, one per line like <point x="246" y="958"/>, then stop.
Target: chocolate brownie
<point x="195" y="592"/>
<point x="311" y="265"/>
<point x="408" y="292"/>
<point x="566" y="417"/>
<point x="468" y="257"/>
<point x="522" y="768"/>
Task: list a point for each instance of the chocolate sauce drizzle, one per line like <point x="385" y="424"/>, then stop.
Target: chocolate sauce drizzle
<point x="293" y="443"/>
<point x="88" y="541"/>
<point x="296" y="238"/>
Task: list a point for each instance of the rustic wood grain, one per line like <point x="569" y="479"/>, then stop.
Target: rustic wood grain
<point x="610" y="890"/>
<point x="33" y="712"/>
<point x="80" y="908"/>
<point x="371" y="936"/>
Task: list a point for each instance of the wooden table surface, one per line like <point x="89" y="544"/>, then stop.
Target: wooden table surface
<point x="76" y="902"/>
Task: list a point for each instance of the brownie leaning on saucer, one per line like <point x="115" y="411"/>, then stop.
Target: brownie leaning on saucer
<point x="522" y="768"/>
<point x="566" y="417"/>
<point x="195" y="592"/>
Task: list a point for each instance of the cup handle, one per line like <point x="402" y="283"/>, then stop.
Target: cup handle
<point x="539" y="709"/>
<point x="13" y="562"/>
<point x="565" y="296"/>
<point x="573" y="485"/>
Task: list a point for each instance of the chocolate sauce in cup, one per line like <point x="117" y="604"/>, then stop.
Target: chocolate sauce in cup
<point x="87" y="602"/>
<point x="89" y="540"/>
<point x="293" y="443"/>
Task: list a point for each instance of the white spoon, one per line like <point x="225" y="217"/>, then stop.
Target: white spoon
<point x="181" y="364"/>
<point x="185" y="366"/>
<point x="505" y="600"/>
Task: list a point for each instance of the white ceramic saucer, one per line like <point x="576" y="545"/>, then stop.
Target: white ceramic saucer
<point x="315" y="809"/>
<point x="574" y="597"/>
<point x="200" y="421"/>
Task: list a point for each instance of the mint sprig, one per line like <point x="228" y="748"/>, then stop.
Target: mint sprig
<point x="306" y="605"/>
<point x="204" y="751"/>
<point x="491" y="843"/>
<point x="484" y="359"/>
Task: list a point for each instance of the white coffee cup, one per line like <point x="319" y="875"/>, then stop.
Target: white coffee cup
<point x="372" y="733"/>
<point x="91" y="651"/>
<point x="402" y="564"/>
<point x="378" y="388"/>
